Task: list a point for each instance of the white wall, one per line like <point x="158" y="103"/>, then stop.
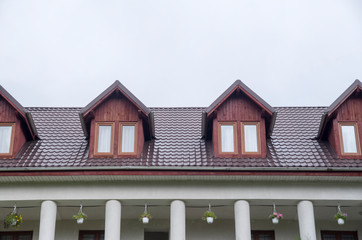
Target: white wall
<point x="195" y="229"/>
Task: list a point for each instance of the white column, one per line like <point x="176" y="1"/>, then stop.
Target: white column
<point x="178" y="220"/>
<point x="112" y="230"/>
<point x="48" y="217"/>
<point x="306" y="220"/>
<point x="242" y="220"/>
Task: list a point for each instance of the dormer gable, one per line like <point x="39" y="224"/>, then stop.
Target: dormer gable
<point x="16" y="125"/>
<point x="238" y="123"/>
<point x="341" y="123"/>
<point x="116" y="123"/>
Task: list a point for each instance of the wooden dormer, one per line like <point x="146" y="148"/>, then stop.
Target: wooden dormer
<point x="238" y="123"/>
<point x="16" y="125"/>
<point x="117" y="124"/>
<point x="341" y="123"/>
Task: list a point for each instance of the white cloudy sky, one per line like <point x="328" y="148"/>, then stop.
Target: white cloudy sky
<point x="179" y="52"/>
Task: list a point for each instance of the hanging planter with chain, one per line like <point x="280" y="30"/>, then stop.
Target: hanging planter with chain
<point x="13" y="219"/>
<point x="145" y="216"/>
<point x="80" y="216"/>
<point x="209" y="215"/>
<point x="275" y="216"/>
<point x="340" y="216"/>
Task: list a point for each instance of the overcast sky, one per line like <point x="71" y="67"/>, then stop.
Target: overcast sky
<point x="179" y="52"/>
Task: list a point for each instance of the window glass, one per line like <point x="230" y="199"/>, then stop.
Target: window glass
<point x="104" y="139"/>
<point x="88" y="236"/>
<point x="24" y="237"/>
<point x="227" y="138"/>
<point x="128" y="138"/>
<point x="349" y="139"/>
<point x="6" y="237"/>
<point x="5" y="138"/>
<point x="250" y="138"/>
<point x="329" y="237"/>
<point x="347" y="237"/>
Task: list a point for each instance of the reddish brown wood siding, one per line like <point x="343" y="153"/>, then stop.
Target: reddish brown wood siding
<point x="239" y="108"/>
<point x="117" y="109"/>
<point x="9" y="115"/>
<point x="349" y="111"/>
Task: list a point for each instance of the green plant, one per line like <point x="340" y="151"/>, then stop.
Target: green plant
<point x="340" y="215"/>
<point x="209" y="214"/>
<point x="145" y="214"/>
<point x="276" y="215"/>
<point x="13" y="219"/>
<point x="80" y="215"/>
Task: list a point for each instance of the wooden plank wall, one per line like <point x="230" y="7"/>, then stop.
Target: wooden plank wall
<point x="240" y="108"/>
<point x="350" y="110"/>
<point x="8" y="114"/>
<point x="117" y="108"/>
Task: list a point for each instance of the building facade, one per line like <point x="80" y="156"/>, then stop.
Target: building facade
<point x="239" y="157"/>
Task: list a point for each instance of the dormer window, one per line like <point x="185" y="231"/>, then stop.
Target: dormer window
<point x="117" y="124"/>
<point x="128" y="138"/>
<point x="349" y="138"/>
<point x="6" y="138"/>
<point x="104" y="138"/>
<point x="250" y="132"/>
<point x="228" y="137"/>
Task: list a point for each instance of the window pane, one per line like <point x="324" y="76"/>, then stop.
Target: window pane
<point x="128" y="138"/>
<point x="104" y="139"/>
<point x="6" y="237"/>
<point x="265" y="236"/>
<point x="5" y="138"/>
<point x="349" y="139"/>
<point x="101" y="236"/>
<point x="227" y="138"/>
<point x="347" y="236"/>
<point x="24" y="237"/>
<point x="329" y="236"/>
<point x="88" y="236"/>
<point x="250" y="138"/>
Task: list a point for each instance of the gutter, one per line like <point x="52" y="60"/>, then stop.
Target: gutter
<point x="191" y="169"/>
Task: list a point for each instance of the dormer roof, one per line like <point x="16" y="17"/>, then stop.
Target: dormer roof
<point x="328" y="113"/>
<point x="26" y="116"/>
<point x="235" y="86"/>
<point x="116" y="86"/>
<point x="240" y="86"/>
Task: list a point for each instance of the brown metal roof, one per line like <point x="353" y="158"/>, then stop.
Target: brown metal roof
<point x="178" y="144"/>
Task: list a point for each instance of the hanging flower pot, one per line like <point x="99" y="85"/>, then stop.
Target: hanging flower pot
<point x="275" y="217"/>
<point x="13" y="219"/>
<point x="340" y="217"/>
<point x="275" y="220"/>
<point x="209" y="220"/>
<point x="145" y="217"/>
<point x="80" y="217"/>
<point x="209" y="216"/>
